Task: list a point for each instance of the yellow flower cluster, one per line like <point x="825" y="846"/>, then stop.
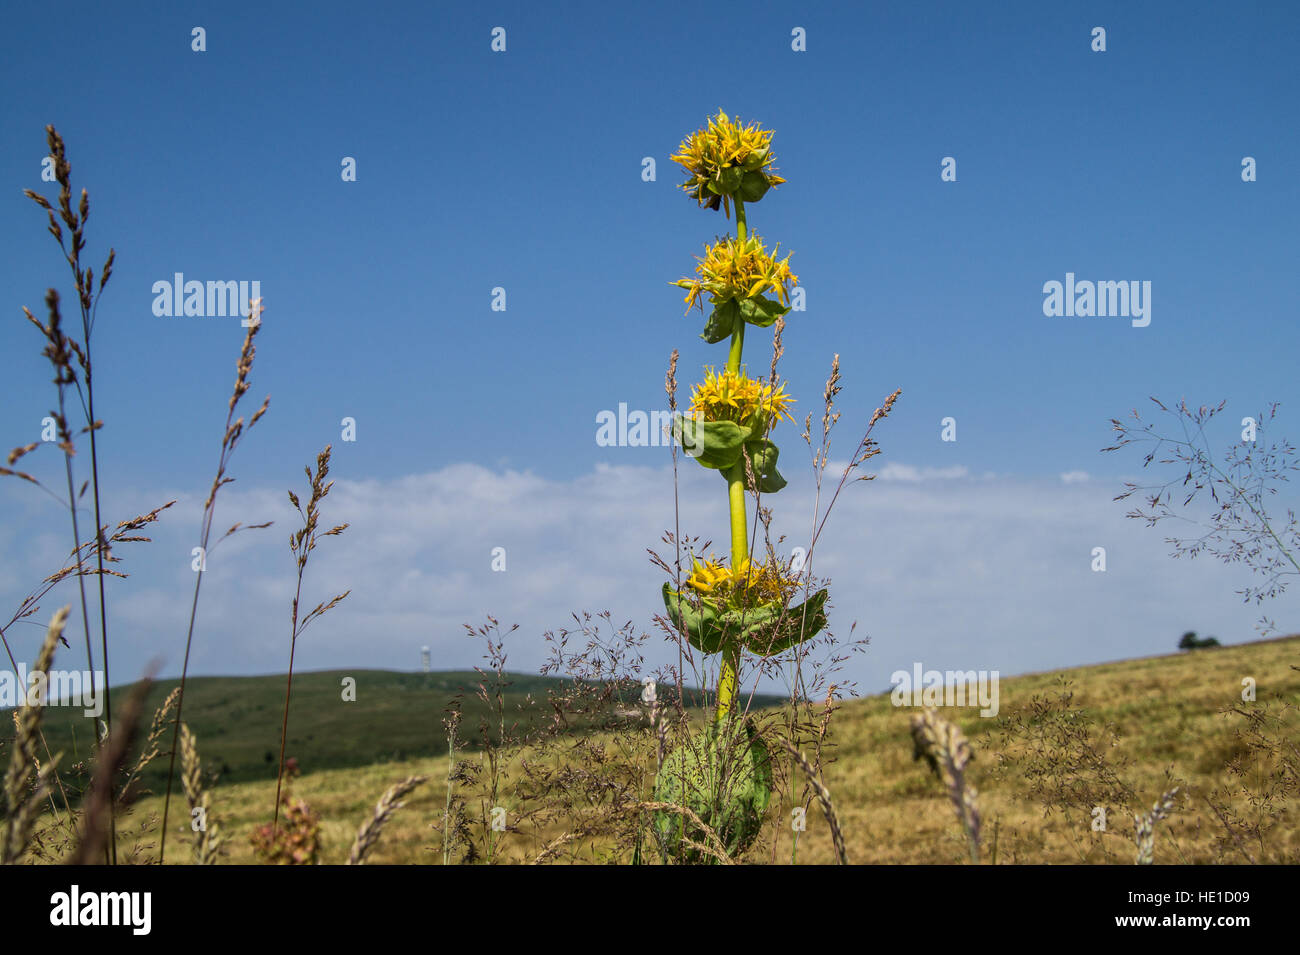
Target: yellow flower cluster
<point x="734" y="269"/>
<point x="749" y="585"/>
<point x="721" y="155"/>
<point x="732" y="396"/>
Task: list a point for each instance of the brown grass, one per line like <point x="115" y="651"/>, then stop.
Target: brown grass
<point x="1164" y="710"/>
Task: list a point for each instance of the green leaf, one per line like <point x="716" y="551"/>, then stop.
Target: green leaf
<point x="701" y="625"/>
<point x="753" y="186"/>
<point x="715" y="444"/>
<point x="755" y="159"/>
<point x="761" y="311"/>
<point x="709" y="628"/>
<point x="723" y="775"/>
<point x="730" y="179"/>
<point x="762" y="455"/>
<point x="796" y="625"/>
<point x="722" y="322"/>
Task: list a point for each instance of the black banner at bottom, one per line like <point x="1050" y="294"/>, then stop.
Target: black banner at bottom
<point x="179" y="903"/>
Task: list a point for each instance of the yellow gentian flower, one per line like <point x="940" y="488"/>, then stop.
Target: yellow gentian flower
<point x="734" y="269"/>
<point x="734" y="396"/>
<point x="726" y="160"/>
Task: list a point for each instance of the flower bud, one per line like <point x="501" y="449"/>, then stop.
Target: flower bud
<point x="753" y="186"/>
<point x="729" y="179"/>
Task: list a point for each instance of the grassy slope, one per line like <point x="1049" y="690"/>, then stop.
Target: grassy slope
<point x="1167" y="711"/>
<point x="395" y="716"/>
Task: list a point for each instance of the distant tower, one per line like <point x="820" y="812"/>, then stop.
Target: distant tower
<point x="424" y="658"/>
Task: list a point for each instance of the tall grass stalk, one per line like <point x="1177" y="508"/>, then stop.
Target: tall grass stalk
<point x="302" y="542"/>
<point x="61" y="350"/>
<point x="235" y="430"/>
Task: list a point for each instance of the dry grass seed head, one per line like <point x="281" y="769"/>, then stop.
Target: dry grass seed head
<point x="389" y="803"/>
<point x="23" y="803"/>
<point x="207" y="838"/>
<point x="945" y="748"/>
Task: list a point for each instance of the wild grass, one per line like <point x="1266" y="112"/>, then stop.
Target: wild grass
<point x="1165" y="711"/>
<point x="389" y="803"/>
<point x="232" y="434"/>
<point x="302" y="542"/>
<point x="945" y="748"/>
<point x="71" y="360"/>
<point x="23" y="799"/>
<point x="207" y="835"/>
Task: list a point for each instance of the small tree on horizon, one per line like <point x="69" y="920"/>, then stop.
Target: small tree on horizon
<point x="1191" y="642"/>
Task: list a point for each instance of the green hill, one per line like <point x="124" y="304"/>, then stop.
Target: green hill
<point x="395" y="716"/>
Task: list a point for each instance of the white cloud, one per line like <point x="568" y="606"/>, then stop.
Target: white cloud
<point x="951" y="570"/>
<point x="904" y="472"/>
<point x="1075" y="477"/>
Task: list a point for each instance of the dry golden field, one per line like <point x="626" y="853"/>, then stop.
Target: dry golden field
<point x="1145" y="724"/>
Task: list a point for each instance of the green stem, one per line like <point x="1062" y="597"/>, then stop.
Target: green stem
<point x="737" y="343"/>
<point x="727" y="680"/>
<point x="729" y="675"/>
<point x="736" y="502"/>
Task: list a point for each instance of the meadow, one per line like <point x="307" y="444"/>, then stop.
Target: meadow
<point x="1147" y="721"/>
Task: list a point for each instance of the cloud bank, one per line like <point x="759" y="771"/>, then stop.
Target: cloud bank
<point x="935" y="565"/>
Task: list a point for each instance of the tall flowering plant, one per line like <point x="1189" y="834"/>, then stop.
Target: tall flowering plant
<point x="744" y="604"/>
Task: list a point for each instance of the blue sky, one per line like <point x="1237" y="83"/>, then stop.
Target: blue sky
<point x="522" y="170"/>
